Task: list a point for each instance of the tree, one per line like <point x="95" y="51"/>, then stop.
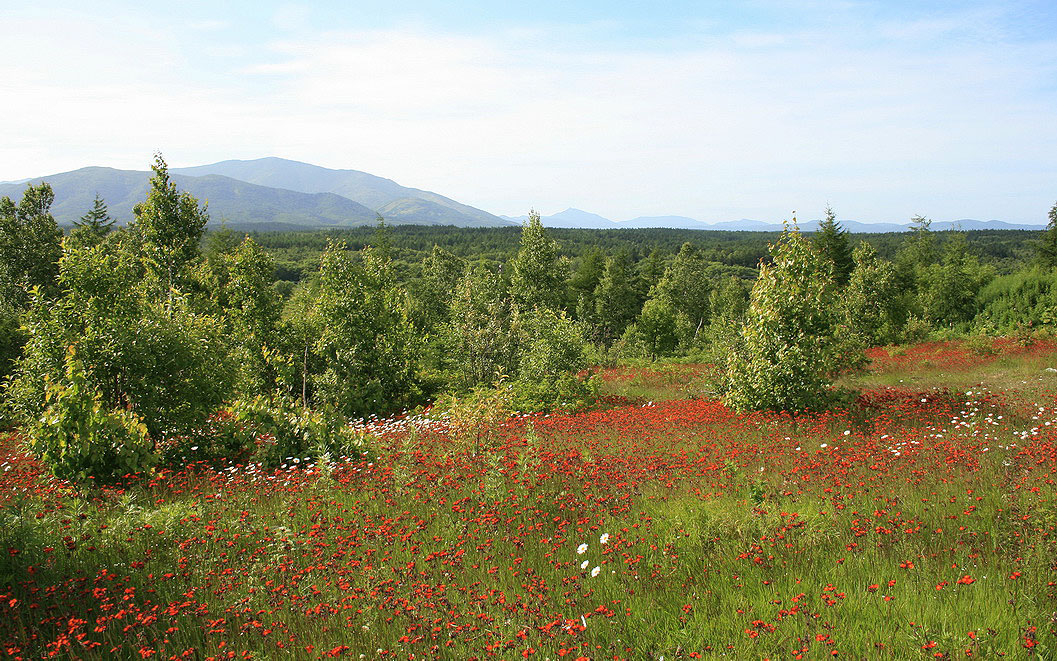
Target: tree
<point x="367" y="347"/>
<point x="1047" y="250"/>
<point x="30" y="243"/>
<point x="947" y="290"/>
<point x="441" y="272"/>
<point x="550" y="358"/>
<point x="657" y="327"/>
<point x="872" y="302"/>
<point x="832" y="241"/>
<point x="483" y="335"/>
<point x="30" y="246"/>
<point x="238" y="278"/>
<point x="539" y="275"/>
<point x="615" y="300"/>
<point x="167" y="365"/>
<point x="95" y="224"/>
<point x="685" y="287"/>
<point x="585" y="279"/>
<point x="917" y="252"/>
<point x="169" y="225"/>
<point x="789" y="349"/>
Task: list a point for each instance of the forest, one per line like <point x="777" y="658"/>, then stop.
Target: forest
<point x="145" y="332"/>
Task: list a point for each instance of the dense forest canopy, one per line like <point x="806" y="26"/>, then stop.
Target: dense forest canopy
<point x="297" y="252"/>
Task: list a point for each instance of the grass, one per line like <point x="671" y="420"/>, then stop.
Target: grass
<point x="918" y="521"/>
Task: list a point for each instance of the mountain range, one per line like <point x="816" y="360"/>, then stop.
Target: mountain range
<point x="276" y="193"/>
<point x="576" y="218"/>
<point x="271" y="192"/>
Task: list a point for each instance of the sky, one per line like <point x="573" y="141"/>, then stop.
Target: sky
<point x="713" y="110"/>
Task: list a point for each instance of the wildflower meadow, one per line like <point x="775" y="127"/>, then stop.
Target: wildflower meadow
<point x="916" y="521"/>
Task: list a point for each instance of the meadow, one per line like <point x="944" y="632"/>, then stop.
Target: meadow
<point x="918" y="520"/>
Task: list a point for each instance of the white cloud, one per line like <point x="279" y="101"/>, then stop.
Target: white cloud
<point x="880" y="123"/>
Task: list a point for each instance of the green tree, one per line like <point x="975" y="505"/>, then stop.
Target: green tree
<point x="484" y="332"/>
<point x="585" y="279"/>
<point x="832" y="241"/>
<point x="239" y="280"/>
<point x="167" y="365"/>
<point x="789" y="348"/>
<point x="917" y="252"/>
<point x="539" y="274"/>
<point x="367" y="345"/>
<point x="95" y="224"/>
<point x="685" y="287"/>
<point x="727" y="303"/>
<point x="947" y="290"/>
<point x="30" y="243"/>
<point x="872" y="302"/>
<point x="169" y="225"/>
<point x="648" y="272"/>
<point x="657" y="325"/>
<point x="615" y="304"/>
<point x="1047" y="250"/>
<point x="30" y="246"/>
<point x="441" y="272"/>
<point x="551" y="356"/>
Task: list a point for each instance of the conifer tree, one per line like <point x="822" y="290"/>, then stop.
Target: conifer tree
<point x="832" y="241"/>
<point x="97" y="222"/>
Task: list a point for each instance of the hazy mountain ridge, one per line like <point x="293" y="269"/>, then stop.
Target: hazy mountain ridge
<point x="229" y="200"/>
<point x="276" y="193"/>
<point x="367" y="189"/>
<point x="573" y="218"/>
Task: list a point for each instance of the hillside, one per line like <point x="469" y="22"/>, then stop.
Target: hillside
<point x="229" y="200"/>
<point x="367" y="189"/>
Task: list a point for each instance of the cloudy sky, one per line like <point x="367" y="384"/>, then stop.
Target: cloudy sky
<point x="714" y="110"/>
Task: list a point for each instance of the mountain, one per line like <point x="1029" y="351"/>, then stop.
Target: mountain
<point x="229" y="200"/>
<point x="577" y="218"/>
<point x="367" y="189"/>
<point x="969" y="224"/>
<point x="673" y="222"/>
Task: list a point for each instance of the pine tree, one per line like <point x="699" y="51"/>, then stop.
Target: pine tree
<point x="832" y="241"/>
<point x="97" y="222"/>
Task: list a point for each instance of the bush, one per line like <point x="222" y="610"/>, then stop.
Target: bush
<point x="279" y="429"/>
<point x="222" y="437"/>
<point x="78" y="438"/>
<point x="552" y="355"/>
<point x="790" y="346"/>
<point x="168" y="365"/>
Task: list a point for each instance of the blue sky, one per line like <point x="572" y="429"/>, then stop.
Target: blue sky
<point x="715" y="110"/>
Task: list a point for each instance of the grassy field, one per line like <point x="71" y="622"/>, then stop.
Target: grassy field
<point x="919" y="521"/>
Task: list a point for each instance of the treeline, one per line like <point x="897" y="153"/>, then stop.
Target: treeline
<point x="296" y="253"/>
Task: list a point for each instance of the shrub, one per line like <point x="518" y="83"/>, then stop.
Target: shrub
<point x="279" y="429"/>
<point x="552" y="354"/>
<point x="79" y="438"/>
<point x="790" y="348"/>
